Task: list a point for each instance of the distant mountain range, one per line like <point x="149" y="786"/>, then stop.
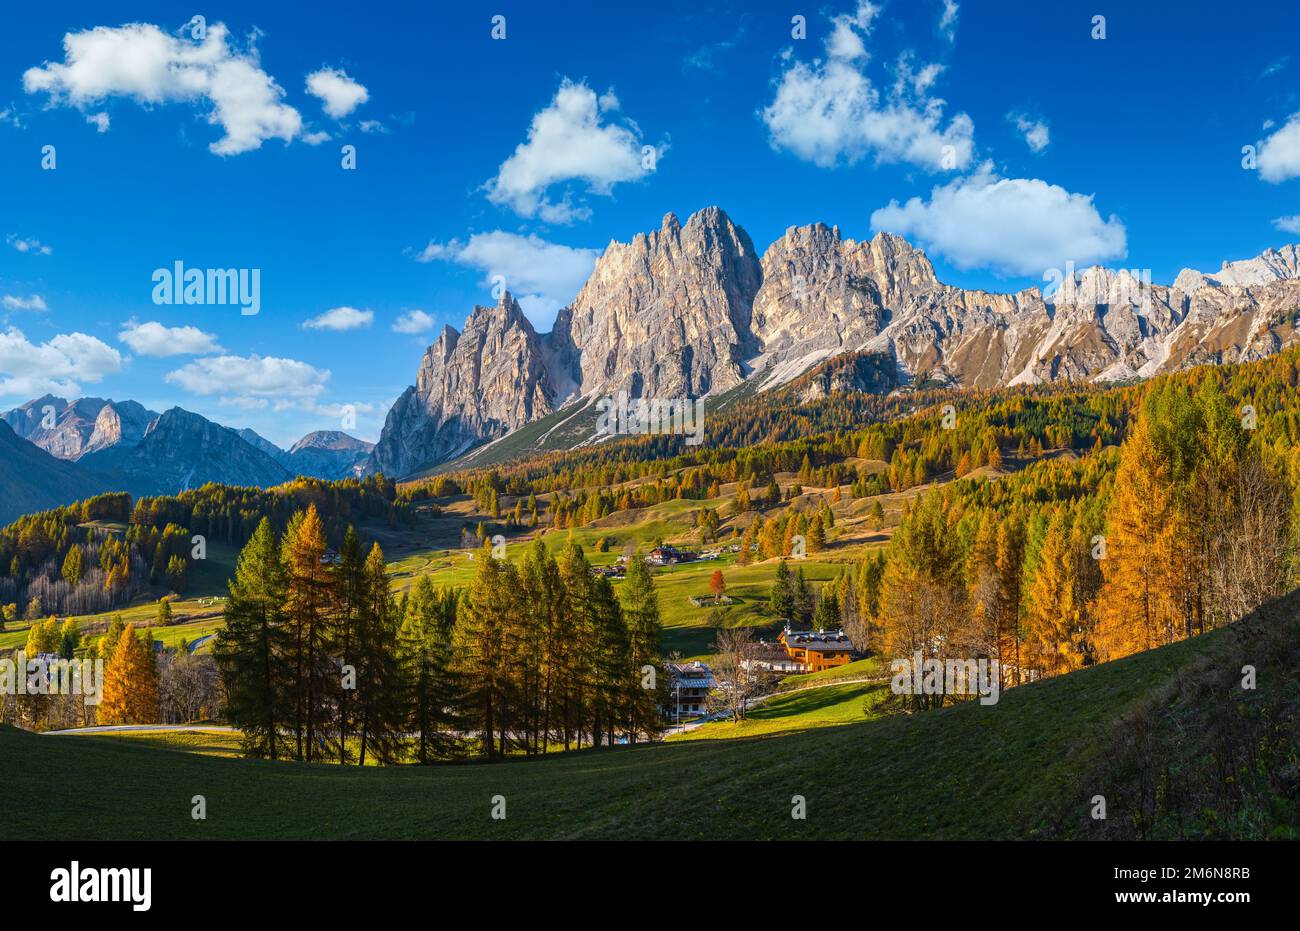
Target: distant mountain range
<point x="687" y="311"/>
<point x="54" y="451"/>
<point x="693" y="310"/>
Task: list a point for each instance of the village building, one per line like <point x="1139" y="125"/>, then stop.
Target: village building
<point x="817" y="649"/>
<point x="667" y="555"/>
<point x="688" y="693"/>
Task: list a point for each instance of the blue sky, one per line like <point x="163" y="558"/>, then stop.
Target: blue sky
<point x="525" y="156"/>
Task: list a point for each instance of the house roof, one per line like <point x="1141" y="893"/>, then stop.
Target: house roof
<point x="820" y="641"/>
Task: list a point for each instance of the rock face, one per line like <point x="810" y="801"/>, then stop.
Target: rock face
<point x="182" y="450"/>
<point x="690" y="310"/>
<point x="327" y="454"/>
<point x="1271" y="265"/>
<point x="73" y="429"/>
<point x="474" y="385"/>
<point x="668" y="314"/>
<point x="119" y="423"/>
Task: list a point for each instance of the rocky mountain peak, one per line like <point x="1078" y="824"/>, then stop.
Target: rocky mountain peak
<point x="330" y="439"/>
<point x="691" y="309"/>
<point x="79" y="427"/>
<point x="667" y="315"/>
<point x="483" y="382"/>
<point x="1270" y="265"/>
<point x="181" y="449"/>
<point x="119" y="422"/>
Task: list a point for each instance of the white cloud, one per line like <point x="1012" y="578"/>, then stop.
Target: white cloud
<point x="948" y="20"/>
<point x="413" y="322"/>
<point x="98" y="120"/>
<point x="142" y="63"/>
<point x="17" y="302"/>
<point x="1288" y="224"/>
<point x="848" y="31"/>
<point x="339" y="319"/>
<point x="568" y="141"/>
<point x="338" y="93"/>
<point x="372" y="126"/>
<point x="1034" y="131"/>
<point x="543" y="276"/>
<point x="10" y="115"/>
<point x="1017" y="226"/>
<point x="154" y="339"/>
<point x="830" y="111"/>
<point x="245" y="380"/>
<point x="58" y="366"/>
<point x="1279" y="154"/>
<point x="29" y="246"/>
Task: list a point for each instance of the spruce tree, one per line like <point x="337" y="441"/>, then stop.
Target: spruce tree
<point x="482" y="662"/>
<point x="781" y="600"/>
<point x="381" y="698"/>
<point x="351" y="599"/>
<point x="432" y="690"/>
<point x="251" y="649"/>
<point x="308" y="608"/>
<point x="645" y="643"/>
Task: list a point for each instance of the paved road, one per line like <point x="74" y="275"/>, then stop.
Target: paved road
<point x="198" y="643"/>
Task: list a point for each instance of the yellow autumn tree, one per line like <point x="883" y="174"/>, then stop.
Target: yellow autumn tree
<point x="1052" y="606"/>
<point x="1137" y="609"/>
<point x="130" y="683"/>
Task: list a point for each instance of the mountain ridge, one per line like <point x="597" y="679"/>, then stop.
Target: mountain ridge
<point x="692" y="310"/>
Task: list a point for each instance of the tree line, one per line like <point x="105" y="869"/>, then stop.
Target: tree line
<point x="320" y="661"/>
<point x="1186" y="527"/>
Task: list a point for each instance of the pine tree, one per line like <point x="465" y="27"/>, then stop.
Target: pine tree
<point x="69" y="639"/>
<point x="251" y="649"/>
<point x="613" y="671"/>
<point x="803" y="598"/>
<point x="351" y="601"/>
<point x="781" y="601"/>
<point x="308" y="608"/>
<point x="108" y="643"/>
<point x="827" y="614"/>
<point x="425" y="650"/>
<point x="381" y="700"/>
<point x="816" y="536"/>
<point x="486" y="616"/>
<point x="72" y="566"/>
<point x="645" y="632"/>
<point x="543" y="645"/>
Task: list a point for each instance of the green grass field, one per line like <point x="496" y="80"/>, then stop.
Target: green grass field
<point x="812" y="707"/>
<point x="1014" y="769"/>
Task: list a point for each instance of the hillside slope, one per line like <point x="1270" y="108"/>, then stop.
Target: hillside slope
<point x="33" y="480"/>
<point x="1026" y="767"/>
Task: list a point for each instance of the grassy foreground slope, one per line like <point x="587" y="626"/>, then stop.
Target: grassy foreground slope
<point x="1027" y="766"/>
